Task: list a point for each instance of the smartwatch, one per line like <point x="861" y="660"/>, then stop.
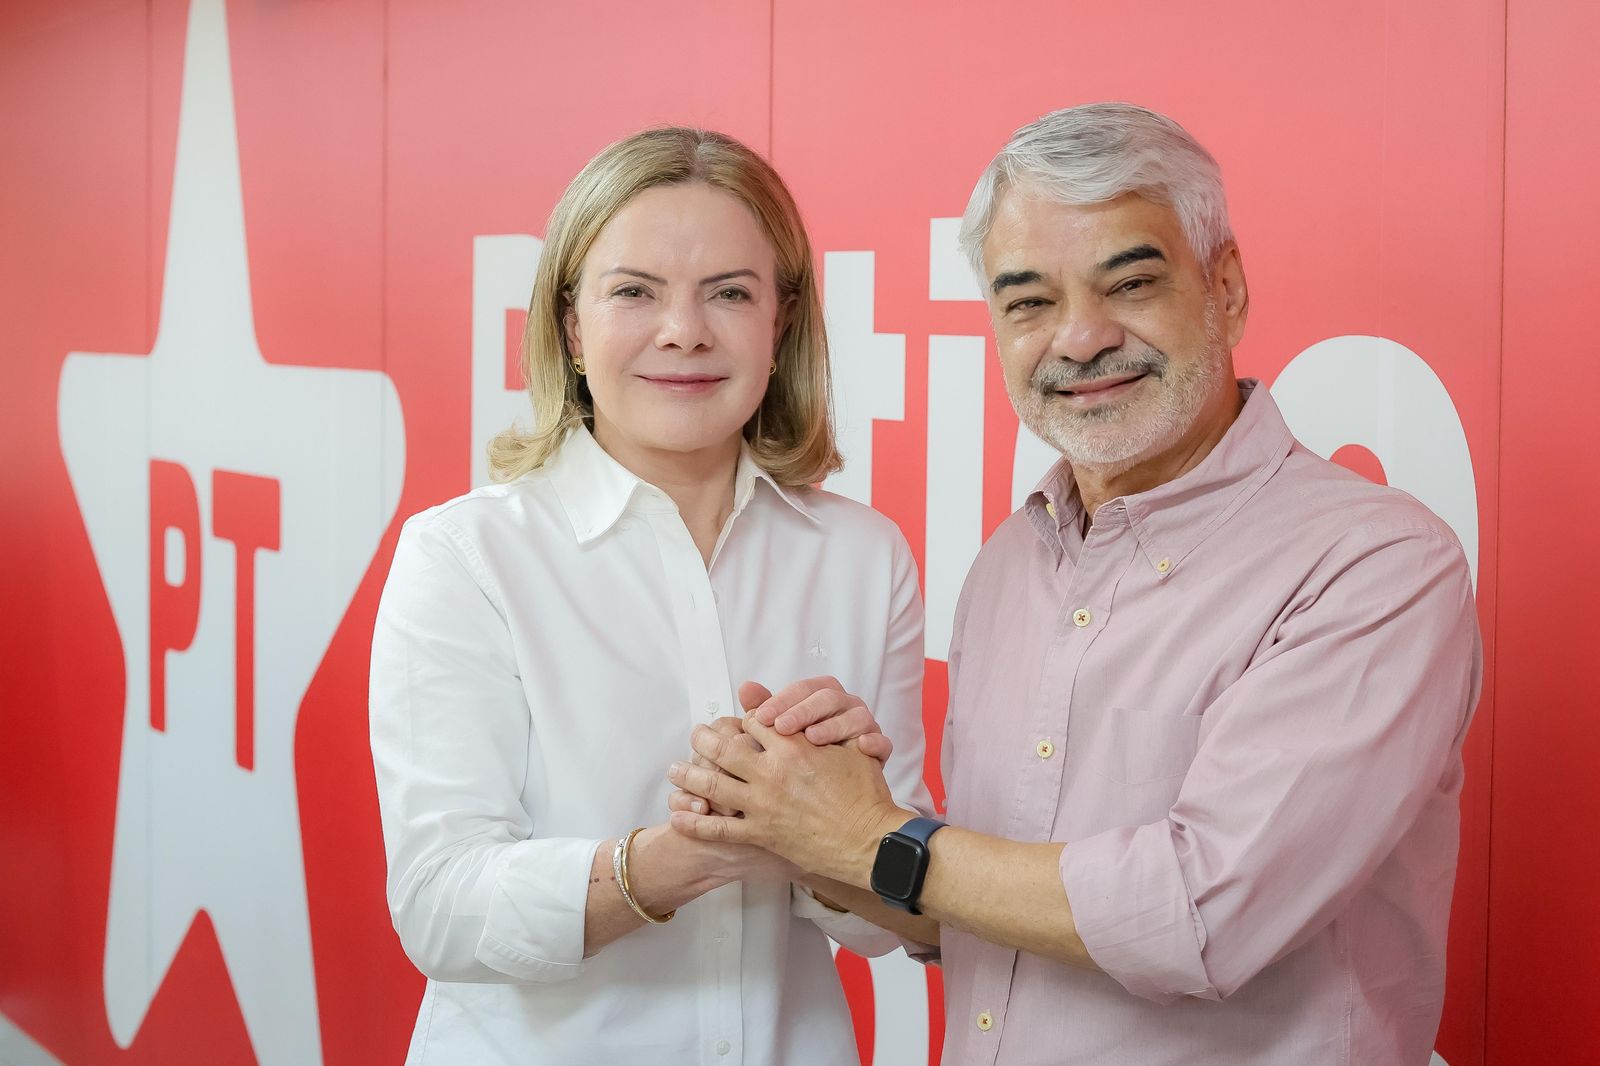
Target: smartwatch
<point x="902" y="863"/>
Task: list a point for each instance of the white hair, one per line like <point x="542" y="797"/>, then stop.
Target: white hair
<point x="1097" y="152"/>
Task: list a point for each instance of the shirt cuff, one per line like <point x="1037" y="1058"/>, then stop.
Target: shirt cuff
<point x="533" y="930"/>
<point x="846" y="928"/>
<point x="1132" y="910"/>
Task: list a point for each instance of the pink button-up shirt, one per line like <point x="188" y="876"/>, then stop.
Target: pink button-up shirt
<point x="1240" y="701"/>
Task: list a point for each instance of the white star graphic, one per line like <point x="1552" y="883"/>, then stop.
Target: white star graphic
<point x="269" y="482"/>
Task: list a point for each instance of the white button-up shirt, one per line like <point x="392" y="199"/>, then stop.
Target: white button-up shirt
<point x="542" y="651"/>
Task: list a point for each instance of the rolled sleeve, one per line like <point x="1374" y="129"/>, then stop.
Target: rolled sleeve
<point x="1133" y="912"/>
<point x="533" y="930"/>
<point x="1310" y="769"/>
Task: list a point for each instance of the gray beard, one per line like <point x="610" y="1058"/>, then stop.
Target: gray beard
<point x="1115" y="437"/>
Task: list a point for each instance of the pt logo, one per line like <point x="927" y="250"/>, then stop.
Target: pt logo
<point x="232" y="507"/>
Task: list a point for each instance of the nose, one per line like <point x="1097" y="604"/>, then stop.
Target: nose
<point x="683" y="326"/>
<point x="1087" y="331"/>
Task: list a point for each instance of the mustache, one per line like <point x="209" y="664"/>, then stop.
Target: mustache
<point x="1057" y="374"/>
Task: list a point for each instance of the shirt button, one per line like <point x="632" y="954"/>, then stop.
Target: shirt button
<point x="712" y="706"/>
<point x="1163" y="566"/>
<point x="1081" y="617"/>
<point x="1045" y="749"/>
<point x="986" y="1021"/>
<point x="723" y="1047"/>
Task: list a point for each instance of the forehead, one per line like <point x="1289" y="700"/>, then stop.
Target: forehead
<point x="690" y="226"/>
<point x="1034" y="233"/>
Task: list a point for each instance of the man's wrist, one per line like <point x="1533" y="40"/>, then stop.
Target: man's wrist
<point x="864" y="853"/>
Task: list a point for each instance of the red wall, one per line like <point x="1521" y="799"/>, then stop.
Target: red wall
<point x="1421" y="172"/>
<point x="1544" y="928"/>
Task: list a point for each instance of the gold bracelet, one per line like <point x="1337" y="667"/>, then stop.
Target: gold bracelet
<point x="619" y="868"/>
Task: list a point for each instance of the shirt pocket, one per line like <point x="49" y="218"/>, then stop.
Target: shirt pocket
<point x="1137" y="747"/>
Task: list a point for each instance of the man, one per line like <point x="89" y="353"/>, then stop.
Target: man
<point x="1208" y="690"/>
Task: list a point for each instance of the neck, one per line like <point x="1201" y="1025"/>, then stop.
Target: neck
<point x="1098" y="484"/>
<point x="699" y="482"/>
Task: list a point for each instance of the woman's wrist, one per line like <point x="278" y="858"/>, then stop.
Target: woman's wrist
<point x="667" y="870"/>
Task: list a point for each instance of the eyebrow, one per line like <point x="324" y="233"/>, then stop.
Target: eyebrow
<point x="712" y="280"/>
<point x="1137" y="254"/>
<point x="1014" y="277"/>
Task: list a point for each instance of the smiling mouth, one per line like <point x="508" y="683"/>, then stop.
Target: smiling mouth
<point x="683" y="379"/>
<point x="1090" y="388"/>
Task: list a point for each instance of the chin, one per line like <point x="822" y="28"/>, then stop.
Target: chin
<point x="693" y="436"/>
<point x="1111" y="444"/>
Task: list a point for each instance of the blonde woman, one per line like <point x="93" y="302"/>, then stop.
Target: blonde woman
<point x="545" y="645"/>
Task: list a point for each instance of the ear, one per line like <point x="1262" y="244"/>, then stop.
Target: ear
<point x="1232" y="292"/>
<point x="569" y="329"/>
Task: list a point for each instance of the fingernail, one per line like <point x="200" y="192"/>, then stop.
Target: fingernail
<point x="784" y="723"/>
<point x="675" y="770"/>
<point x="698" y="807"/>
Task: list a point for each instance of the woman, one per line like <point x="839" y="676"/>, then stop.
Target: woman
<point x="545" y="646"/>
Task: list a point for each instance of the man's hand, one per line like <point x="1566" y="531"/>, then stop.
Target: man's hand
<point x="822" y="710"/>
<point x="824" y="808"/>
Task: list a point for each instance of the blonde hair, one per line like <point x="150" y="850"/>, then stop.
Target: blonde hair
<point x="791" y="433"/>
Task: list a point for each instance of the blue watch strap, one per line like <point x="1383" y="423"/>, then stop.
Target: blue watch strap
<point x="921" y="829"/>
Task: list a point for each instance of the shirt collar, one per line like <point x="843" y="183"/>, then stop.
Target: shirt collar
<point x="595" y="490"/>
<point x="1171" y="520"/>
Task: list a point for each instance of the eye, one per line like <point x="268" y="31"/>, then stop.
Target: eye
<point x="733" y="293"/>
<point x="1133" y="285"/>
<point x="629" y="291"/>
<point x="1027" y="303"/>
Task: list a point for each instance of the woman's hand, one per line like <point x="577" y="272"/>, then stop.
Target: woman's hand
<point x="668" y="869"/>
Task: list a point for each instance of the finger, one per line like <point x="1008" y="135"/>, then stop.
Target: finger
<point x="710" y="827"/>
<point x="737" y="758"/>
<point x="714" y="809"/>
<point x="764" y="735"/>
<point x="732" y="729"/>
<point x="710" y="785"/>
<point x="702" y="761"/>
<point x="728" y="725"/>
<point x="877" y="745"/>
<point x="850" y="722"/>
<point x="817" y="707"/>
<point x="753" y="694"/>
<point x="774" y="706"/>
<point x="686" y="801"/>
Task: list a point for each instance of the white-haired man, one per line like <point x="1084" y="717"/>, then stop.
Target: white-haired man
<point x="1208" y="690"/>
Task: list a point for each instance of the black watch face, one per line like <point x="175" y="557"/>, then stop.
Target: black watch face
<point x="894" y="872"/>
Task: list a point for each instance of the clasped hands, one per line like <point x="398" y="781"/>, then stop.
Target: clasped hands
<point x="801" y="776"/>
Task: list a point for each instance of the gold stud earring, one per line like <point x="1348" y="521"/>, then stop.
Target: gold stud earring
<point x="577" y="365"/>
<point x="773" y="369"/>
